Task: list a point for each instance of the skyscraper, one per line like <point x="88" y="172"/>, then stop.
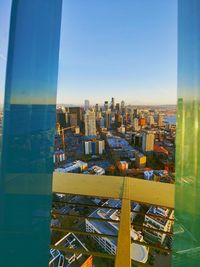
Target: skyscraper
<point x="112" y="103"/>
<point x="106" y="105"/>
<point x="117" y="106"/>
<point x="108" y="119"/>
<point x="61" y="117"/>
<point x="97" y="108"/>
<point x="75" y="116"/>
<point x="118" y="120"/>
<point x="150" y="120"/>
<point x="148" y="141"/>
<point x="160" y="120"/>
<point x="87" y="104"/>
<point x="90" y="123"/>
<point x="102" y="122"/>
<point x="135" y="124"/>
<point x="136" y="112"/>
<point x="123" y="109"/>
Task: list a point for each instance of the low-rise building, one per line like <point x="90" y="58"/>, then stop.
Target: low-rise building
<point x="94" y="147"/>
<point x="57" y="258"/>
<point x="95" y="170"/>
<point x="161" y="222"/>
<point x="138" y="252"/>
<point x="148" y="175"/>
<point x="140" y="160"/>
<point x="59" y="156"/>
<point x="77" y="166"/>
<point x="122" y="165"/>
<point x="119" y="148"/>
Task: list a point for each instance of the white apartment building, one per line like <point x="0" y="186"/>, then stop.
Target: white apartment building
<point x="90" y="123"/>
<point x="159" y="223"/>
<point x="138" y="252"/>
<point x="148" y="141"/>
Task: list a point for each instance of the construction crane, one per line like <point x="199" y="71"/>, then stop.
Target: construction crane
<point x="61" y="131"/>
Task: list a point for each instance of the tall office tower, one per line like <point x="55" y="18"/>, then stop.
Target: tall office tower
<point x="118" y="120"/>
<point x="102" y="122"/>
<point x="97" y="108"/>
<point x="150" y="120"/>
<point x="123" y="109"/>
<point x="75" y="116"/>
<point x="67" y="119"/>
<point x="87" y="104"/>
<point x="73" y="119"/>
<point x="117" y="107"/>
<point x="136" y="112"/>
<point x="61" y="117"/>
<point x="142" y="122"/>
<point x="135" y="124"/>
<point x="160" y="120"/>
<point x="90" y="123"/>
<point x="131" y="116"/>
<point x="137" y="140"/>
<point x="106" y="105"/>
<point x="112" y="103"/>
<point x="108" y="119"/>
<point x="148" y="141"/>
<point x="98" y="115"/>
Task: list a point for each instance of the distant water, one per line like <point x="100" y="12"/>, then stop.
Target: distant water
<point x="170" y="119"/>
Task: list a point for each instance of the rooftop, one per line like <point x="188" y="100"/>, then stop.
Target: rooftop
<point x="164" y="212"/>
<point x="138" y="252"/>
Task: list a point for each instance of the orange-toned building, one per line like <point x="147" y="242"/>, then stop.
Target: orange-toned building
<point x="142" y="122"/>
<point x="122" y="165"/>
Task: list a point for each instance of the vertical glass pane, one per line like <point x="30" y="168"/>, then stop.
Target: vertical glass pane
<point x="5" y="8"/>
<point x="187" y="201"/>
<point x="28" y="132"/>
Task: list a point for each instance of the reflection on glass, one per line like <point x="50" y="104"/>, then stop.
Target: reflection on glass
<point x="187" y="201"/>
<point x="28" y="132"/>
<point x="5" y="7"/>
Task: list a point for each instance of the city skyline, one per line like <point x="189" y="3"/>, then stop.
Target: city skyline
<point x="109" y="102"/>
<point x="131" y="53"/>
<point x="126" y="49"/>
<point x="101" y="103"/>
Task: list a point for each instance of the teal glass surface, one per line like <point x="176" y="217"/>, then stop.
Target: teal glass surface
<point x="186" y="245"/>
<point x="28" y="132"/>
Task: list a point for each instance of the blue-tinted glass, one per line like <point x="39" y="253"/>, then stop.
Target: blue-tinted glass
<point x="28" y="132"/>
<point x="5" y="8"/>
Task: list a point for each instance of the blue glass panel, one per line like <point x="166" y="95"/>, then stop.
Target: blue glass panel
<point x="5" y="8"/>
<point x="28" y="132"/>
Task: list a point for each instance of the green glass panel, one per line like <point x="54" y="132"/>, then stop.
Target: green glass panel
<point x="28" y="133"/>
<point x="186" y="245"/>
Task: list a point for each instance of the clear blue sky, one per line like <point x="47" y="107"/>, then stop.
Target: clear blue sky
<point x="121" y="48"/>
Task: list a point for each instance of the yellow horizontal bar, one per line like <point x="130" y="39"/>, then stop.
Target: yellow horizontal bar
<point x="154" y="193"/>
<point x="88" y="185"/>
